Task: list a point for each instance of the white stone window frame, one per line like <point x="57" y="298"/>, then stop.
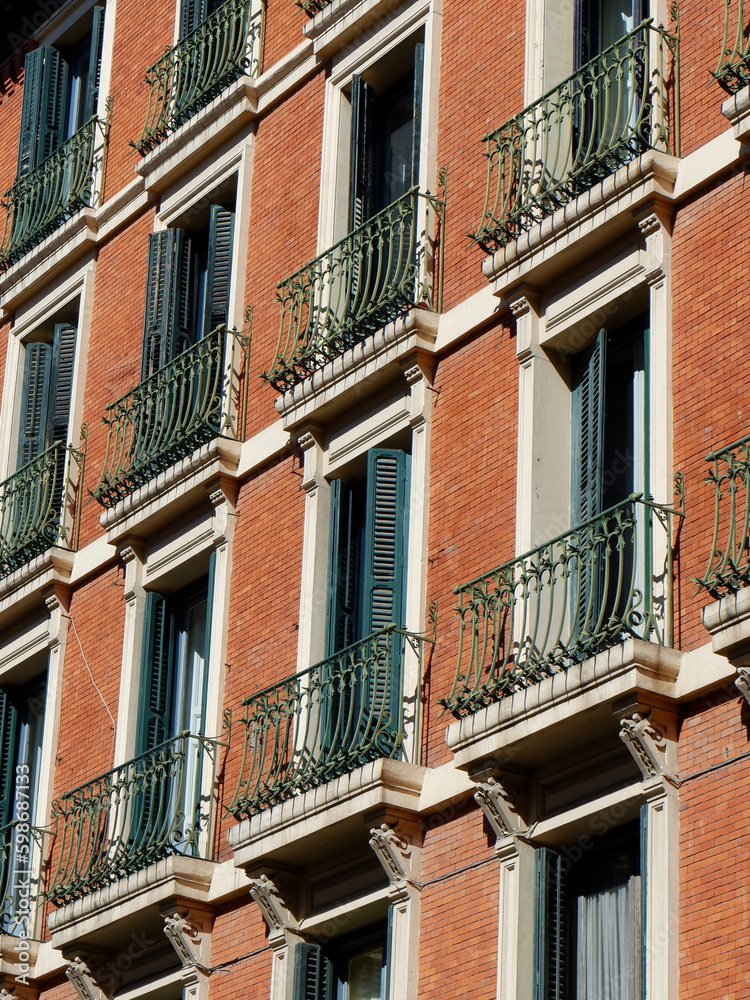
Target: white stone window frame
<point x="46" y="637"/>
<point x="170" y="563"/>
<point x="326" y="452"/>
<point x="78" y="284"/>
<point x="377" y="43"/>
<point x="516" y="918"/>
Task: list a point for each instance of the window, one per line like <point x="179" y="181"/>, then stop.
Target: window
<point x="187" y="287"/>
<point x="353" y="968"/>
<point x="601" y="23"/>
<point x="192" y="12"/>
<point x="60" y="92"/>
<point x="589" y="916"/>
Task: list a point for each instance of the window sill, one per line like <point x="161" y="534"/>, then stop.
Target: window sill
<point x="131" y="905"/>
<point x="594" y="222"/>
<point x="164" y="497"/>
<point x="323" y="822"/>
<point x="374" y="360"/>
<point x="530" y="726"/>
<point x="342" y="20"/>
<point x="728" y="621"/>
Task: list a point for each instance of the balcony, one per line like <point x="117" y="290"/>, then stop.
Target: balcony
<point x="190" y="74"/>
<point x="550" y="609"/>
<point x="133" y="816"/>
<point x="325" y="722"/>
<point x="21" y="856"/>
<point x="609" y="112"/>
<point x="186" y="404"/>
<point x="35" y="508"/>
<point x="733" y="70"/>
<point x="42" y="200"/>
<point x="728" y="567"/>
<point x="375" y="275"/>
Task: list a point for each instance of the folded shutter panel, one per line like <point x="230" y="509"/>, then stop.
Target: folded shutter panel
<point x="218" y="275"/>
<point x="192" y="12"/>
<point x="550" y="926"/>
<point x="63" y="360"/>
<point x="33" y="67"/>
<point x="33" y="434"/>
<point x="386" y="526"/>
<point x="8" y="741"/>
<point x="362" y="166"/>
<point x="53" y="118"/>
<point x="416" y="134"/>
<point x="588" y="423"/>
<point x="169" y="320"/>
<point x="157" y="670"/>
<point x="314" y="978"/>
<point x="95" y="62"/>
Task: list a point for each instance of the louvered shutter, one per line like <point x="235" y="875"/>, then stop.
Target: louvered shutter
<point x="63" y="360"/>
<point x="157" y="675"/>
<point x="219" y="270"/>
<point x="416" y="134"/>
<point x="588" y="425"/>
<point x="33" y="67"/>
<point x="8" y="743"/>
<point x="314" y="977"/>
<point x="95" y="62"/>
<point x="642" y="916"/>
<point x="362" y="163"/>
<point x="169" y="321"/>
<point x="33" y="432"/>
<point x="386" y="526"/>
<point x="550" y="926"/>
<point x="53" y="117"/>
<point x="192" y="12"/>
<point x="343" y="568"/>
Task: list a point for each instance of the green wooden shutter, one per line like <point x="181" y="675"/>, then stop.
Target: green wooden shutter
<point x="588" y="430"/>
<point x="192" y="12"/>
<point x="95" y="62"/>
<point x="343" y="568"/>
<point x="550" y="926"/>
<point x="63" y="360"/>
<point x="386" y="531"/>
<point x="219" y="270"/>
<point x="157" y="675"/>
<point x="8" y="744"/>
<point x="33" y="432"/>
<point x="416" y="134"/>
<point x="169" y="320"/>
<point x="643" y="866"/>
<point x="388" y="954"/>
<point x="362" y="163"/>
<point x="314" y="977"/>
<point x="53" y="118"/>
<point x="33" y="67"/>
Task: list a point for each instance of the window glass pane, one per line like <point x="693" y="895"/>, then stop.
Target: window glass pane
<point x="365" y="975"/>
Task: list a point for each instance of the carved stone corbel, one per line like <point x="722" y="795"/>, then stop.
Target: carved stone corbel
<point x="499" y="808"/>
<point x="400" y="859"/>
<point x="648" y="746"/>
<point x="742" y="682"/>
<point x="276" y="913"/>
<point x="83" y="981"/>
<point x="188" y="932"/>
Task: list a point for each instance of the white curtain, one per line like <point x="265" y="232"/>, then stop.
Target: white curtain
<point x="608" y="943"/>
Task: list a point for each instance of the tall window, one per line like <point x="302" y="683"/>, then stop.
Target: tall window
<point x="187" y="287"/>
<point x="589" y="919"/>
<point x="60" y="92"/>
<point x="46" y="395"/>
<point x="352" y="968"/>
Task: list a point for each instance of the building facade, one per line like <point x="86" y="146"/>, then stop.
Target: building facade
<point x="375" y="523"/>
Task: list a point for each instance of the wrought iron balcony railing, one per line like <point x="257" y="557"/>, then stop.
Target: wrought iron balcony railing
<point x="42" y="200"/>
<point x="170" y="414"/>
<point x="729" y="562"/>
<point x="374" y="275"/>
<point x="607" y="113"/>
<point x="37" y="508"/>
<point x="127" y="819"/>
<point x="733" y="70"/>
<point x="190" y="74"/>
<point x="576" y="595"/>
<point x="324" y="722"/>
<point x="21" y="859"/>
<point x="312" y="7"/>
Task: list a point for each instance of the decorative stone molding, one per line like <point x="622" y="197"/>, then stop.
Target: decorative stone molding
<point x="185" y="936"/>
<point x="742" y="682"/>
<point x="128" y="554"/>
<point x="648" y="746"/>
<point x="306" y="441"/>
<point x="649" y="224"/>
<point x="276" y="913"/>
<point x="83" y="981"/>
<point x="396" y="855"/>
<point x="499" y="808"/>
<point x="413" y="374"/>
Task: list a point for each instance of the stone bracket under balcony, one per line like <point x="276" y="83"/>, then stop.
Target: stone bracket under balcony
<point x="568" y="710"/>
<point x="337" y="23"/>
<point x="736" y="109"/>
<point x="327" y="820"/>
<point x="728" y="621"/>
<point x="24" y="591"/>
<point x="592" y="223"/>
<point x="132" y="905"/>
